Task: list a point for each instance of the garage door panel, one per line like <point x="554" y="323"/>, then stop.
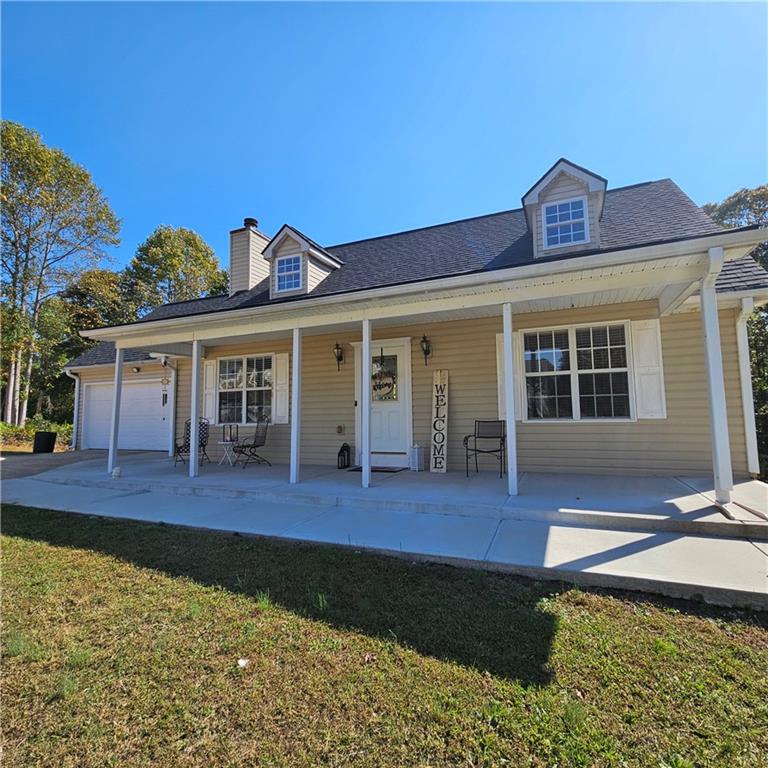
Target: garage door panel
<point x="143" y="418"/>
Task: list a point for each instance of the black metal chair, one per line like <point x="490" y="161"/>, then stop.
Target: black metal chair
<point x="182" y="449"/>
<point x="247" y="450"/>
<point x="490" y="437"/>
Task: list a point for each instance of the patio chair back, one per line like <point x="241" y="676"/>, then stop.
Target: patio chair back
<point x="182" y="448"/>
<point x="203" y="432"/>
<point x="492" y="430"/>
<point x="260" y="434"/>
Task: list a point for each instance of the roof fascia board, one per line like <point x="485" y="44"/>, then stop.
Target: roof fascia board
<point x="736" y="243"/>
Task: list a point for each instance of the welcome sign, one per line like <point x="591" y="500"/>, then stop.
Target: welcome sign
<point x="438" y="456"/>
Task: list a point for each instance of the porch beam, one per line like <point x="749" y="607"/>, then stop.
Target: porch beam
<point x="745" y="378"/>
<point x="721" y="448"/>
<point x="586" y="282"/>
<point x="509" y="400"/>
<point x="296" y="406"/>
<point x="194" y="411"/>
<point x="365" y="404"/>
<point x="117" y="392"/>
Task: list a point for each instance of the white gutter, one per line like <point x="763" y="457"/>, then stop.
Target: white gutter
<point x="76" y="417"/>
<point x="745" y="377"/>
<point x="739" y="240"/>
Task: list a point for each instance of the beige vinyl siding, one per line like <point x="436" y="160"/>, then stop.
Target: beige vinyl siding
<point x="105" y="374"/>
<point x="565" y="187"/>
<point x="247" y="267"/>
<point x="466" y="348"/>
<point x="316" y="273"/>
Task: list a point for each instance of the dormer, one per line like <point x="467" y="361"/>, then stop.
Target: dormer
<point x="563" y="210"/>
<point x="297" y="264"/>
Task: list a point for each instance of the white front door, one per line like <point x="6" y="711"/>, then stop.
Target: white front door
<point x="389" y="376"/>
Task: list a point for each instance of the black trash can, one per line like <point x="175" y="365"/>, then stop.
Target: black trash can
<point x="44" y="442"/>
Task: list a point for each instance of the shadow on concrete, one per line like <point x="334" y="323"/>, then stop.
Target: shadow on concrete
<point x="491" y="622"/>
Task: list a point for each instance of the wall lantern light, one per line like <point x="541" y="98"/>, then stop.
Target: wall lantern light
<point x="426" y="347"/>
<point x="338" y="353"/>
<point x="136" y="369"/>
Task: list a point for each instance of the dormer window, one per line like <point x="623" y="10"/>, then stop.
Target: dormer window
<point x="289" y="273"/>
<point x="565" y="223"/>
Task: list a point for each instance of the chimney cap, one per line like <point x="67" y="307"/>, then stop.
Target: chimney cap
<point x="250" y="222"/>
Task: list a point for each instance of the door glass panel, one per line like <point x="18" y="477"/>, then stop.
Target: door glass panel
<point x="384" y="379"/>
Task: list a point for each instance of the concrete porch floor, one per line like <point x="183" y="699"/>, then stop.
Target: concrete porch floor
<point x="634" y="502"/>
<point x="619" y="540"/>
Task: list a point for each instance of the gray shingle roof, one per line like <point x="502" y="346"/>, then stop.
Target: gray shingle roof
<point x="103" y="353"/>
<point x="641" y="214"/>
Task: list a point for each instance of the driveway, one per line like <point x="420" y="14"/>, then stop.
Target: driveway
<point x="15" y="465"/>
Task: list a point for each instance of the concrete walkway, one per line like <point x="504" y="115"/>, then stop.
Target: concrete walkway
<point x="732" y="571"/>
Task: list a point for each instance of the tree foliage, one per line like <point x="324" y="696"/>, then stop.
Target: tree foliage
<point x="56" y="222"/>
<point x="742" y="208"/>
<point x="172" y="264"/>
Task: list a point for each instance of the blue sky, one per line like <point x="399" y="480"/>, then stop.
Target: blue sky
<point x="352" y="120"/>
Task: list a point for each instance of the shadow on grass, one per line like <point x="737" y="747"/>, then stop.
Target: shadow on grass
<point x="488" y="621"/>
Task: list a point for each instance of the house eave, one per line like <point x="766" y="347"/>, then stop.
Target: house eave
<point x="736" y="243"/>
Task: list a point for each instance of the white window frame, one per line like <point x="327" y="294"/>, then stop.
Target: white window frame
<point x="544" y="207"/>
<point x="299" y="271"/>
<point x="574" y="374"/>
<point x="244" y="405"/>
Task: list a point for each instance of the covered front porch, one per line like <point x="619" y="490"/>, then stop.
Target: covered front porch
<point x="675" y="418"/>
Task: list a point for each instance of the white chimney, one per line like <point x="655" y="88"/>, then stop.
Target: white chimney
<point x="247" y="267"/>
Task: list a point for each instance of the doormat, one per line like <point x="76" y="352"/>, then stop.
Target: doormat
<point x="388" y="470"/>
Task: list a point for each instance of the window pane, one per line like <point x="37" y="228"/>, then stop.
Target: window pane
<point x="258" y="405"/>
<point x="600" y="336"/>
<point x="620" y="383"/>
<point x="587" y="405"/>
<point x="618" y="357"/>
<point x="549" y="397"/>
<point x="604" y="406"/>
<point x="583" y="338"/>
<point x="621" y="407"/>
<point x="600" y="357"/>
<point x="616" y="334"/>
<point x="230" y="374"/>
<point x="230" y="407"/>
<point x="584" y="358"/>
<point x="258" y="372"/>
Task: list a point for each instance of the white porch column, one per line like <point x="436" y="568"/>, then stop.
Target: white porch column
<point x="365" y="404"/>
<point x="116" y="395"/>
<point x="194" y="412"/>
<point x="296" y="406"/>
<point x="721" y="448"/>
<point x="745" y="377"/>
<point x="171" y="406"/>
<point x="509" y="400"/>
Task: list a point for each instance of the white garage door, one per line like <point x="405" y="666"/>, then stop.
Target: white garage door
<point x="143" y="418"/>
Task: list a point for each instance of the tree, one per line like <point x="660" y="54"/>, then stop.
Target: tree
<point x="56" y="222"/>
<point x="172" y="264"/>
<point x="750" y="206"/>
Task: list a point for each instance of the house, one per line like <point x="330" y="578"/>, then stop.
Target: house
<point x="606" y="327"/>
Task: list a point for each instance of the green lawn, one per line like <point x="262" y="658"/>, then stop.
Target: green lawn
<point x="121" y="644"/>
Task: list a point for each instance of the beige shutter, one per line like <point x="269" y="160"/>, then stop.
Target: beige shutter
<point x="517" y="357"/>
<point x="209" y="390"/>
<point x="280" y="392"/>
<point x="650" y="400"/>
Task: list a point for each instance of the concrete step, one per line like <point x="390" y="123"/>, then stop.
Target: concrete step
<point x="715" y="524"/>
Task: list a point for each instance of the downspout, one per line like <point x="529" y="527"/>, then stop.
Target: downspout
<point x="745" y="377"/>
<point x="76" y="417"/>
